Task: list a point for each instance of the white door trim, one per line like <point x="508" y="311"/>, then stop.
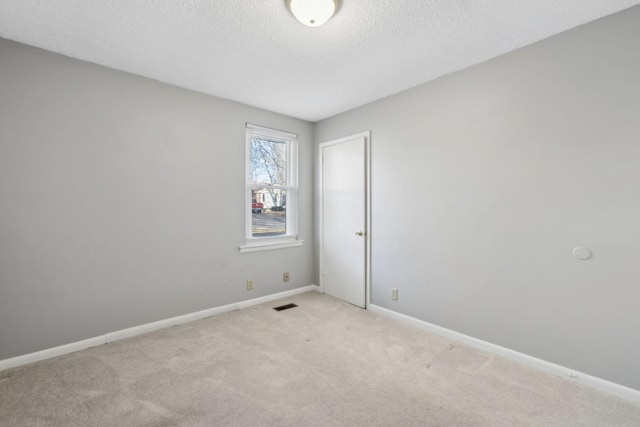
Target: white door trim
<point x="367" y="192"/>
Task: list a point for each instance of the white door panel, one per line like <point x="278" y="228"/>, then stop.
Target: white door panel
<point x="343" y="192"/>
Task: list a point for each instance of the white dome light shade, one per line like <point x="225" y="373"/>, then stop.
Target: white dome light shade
<point x="313" y="13"/>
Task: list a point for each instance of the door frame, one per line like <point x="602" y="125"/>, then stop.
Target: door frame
<point x="367" y="203"/>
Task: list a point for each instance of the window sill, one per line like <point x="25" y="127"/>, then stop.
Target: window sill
<point x="253" y="246"/>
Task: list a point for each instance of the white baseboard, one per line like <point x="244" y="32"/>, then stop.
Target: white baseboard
<point x="143" y="329"/>
<point x="599" y="384"/>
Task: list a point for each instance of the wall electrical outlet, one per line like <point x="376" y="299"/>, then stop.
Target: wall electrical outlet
<point x="285" y="277"/>
<point x="394" y="294"/>
<point x="249" y="285"/>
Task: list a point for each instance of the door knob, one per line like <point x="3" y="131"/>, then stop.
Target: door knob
<point x="359" y="233"/>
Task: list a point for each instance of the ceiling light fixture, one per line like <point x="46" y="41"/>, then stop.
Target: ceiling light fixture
<point x="313" y="13"/>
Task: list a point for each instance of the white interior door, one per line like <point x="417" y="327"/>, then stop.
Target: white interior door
<point x="343" y="221"/>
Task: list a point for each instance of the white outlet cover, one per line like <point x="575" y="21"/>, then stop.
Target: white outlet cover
<point x="581" y="253"/>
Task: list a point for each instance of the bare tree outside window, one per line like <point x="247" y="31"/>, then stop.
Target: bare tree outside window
<point x="269" y="181"/>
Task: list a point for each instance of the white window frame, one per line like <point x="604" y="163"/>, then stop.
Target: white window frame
<point x="290" y="239"/>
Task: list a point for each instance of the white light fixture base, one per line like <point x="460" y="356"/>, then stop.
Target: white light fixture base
<point x="313" y="13"/>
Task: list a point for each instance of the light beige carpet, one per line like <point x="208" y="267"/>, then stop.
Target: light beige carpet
<point x="324" y="363"/>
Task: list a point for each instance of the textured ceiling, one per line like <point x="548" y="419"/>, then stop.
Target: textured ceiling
<point x="255" y="52"/>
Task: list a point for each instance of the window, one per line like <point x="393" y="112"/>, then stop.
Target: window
<point x="271" y="189"/>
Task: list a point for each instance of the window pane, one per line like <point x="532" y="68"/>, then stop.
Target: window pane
<point x="268" y="162"/>
<point x="268" y="212"/>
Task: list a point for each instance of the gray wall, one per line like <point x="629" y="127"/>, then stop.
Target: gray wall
<point x="485" y="180"/>
<point x="121" y="202"/>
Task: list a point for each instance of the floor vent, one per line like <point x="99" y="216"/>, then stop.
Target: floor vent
<point x="284" y="307"/>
